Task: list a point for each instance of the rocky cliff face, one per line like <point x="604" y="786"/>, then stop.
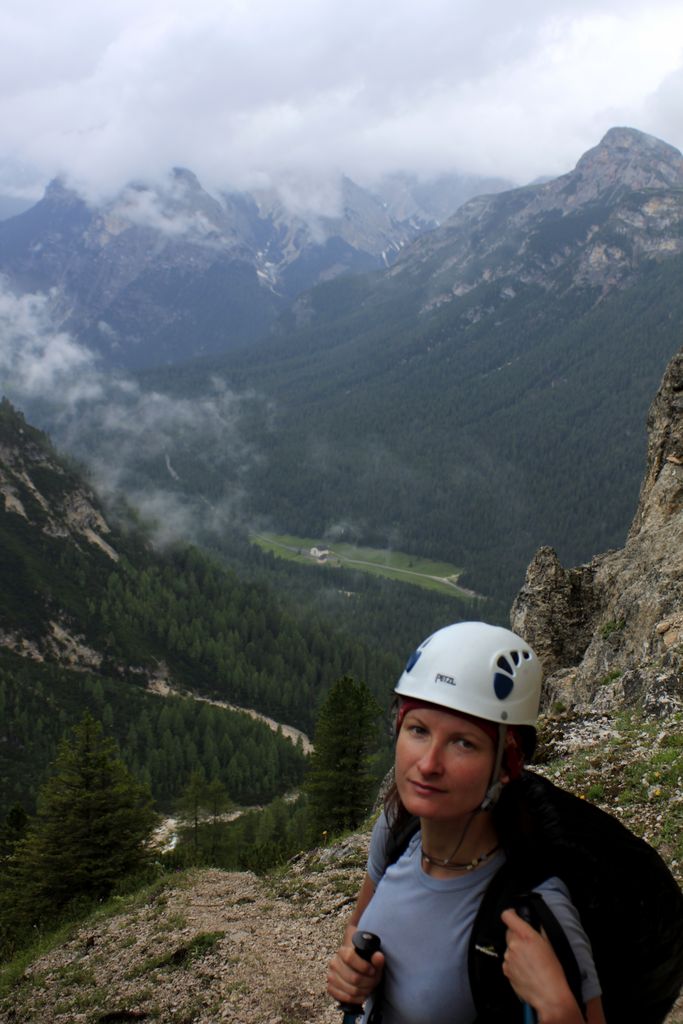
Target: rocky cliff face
<point x="612" y="630"/>
<point x="45" y="513"/>
<point x="35" y="486"/>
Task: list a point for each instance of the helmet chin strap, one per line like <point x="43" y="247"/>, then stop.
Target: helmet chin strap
<point x="495" y="786"/>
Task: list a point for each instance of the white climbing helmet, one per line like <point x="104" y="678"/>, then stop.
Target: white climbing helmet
<point x="481" y="670"/>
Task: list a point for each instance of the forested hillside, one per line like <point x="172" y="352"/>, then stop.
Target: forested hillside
<point x="91" y="615"/>
<point x="474" y="442"/>
<point x="163" y="741"/>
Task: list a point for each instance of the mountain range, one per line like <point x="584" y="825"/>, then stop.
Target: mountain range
<point x="481" y="391"/>
<point x="161" y="273"/>
<point x="488" y="391"/>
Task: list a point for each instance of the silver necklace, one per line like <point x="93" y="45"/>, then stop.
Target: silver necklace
<point x="450" y="865"/>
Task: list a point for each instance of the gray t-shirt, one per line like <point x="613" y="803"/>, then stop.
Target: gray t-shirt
<point x="425" y="925"/>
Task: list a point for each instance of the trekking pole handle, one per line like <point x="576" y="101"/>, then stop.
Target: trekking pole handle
<point x="365" y="944"/>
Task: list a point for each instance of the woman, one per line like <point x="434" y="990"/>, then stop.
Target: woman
<point x="468" y="702"/>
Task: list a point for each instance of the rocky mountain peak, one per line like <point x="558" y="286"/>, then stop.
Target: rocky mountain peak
<point x="185" y="176"/>
<point x="631" y="159"/>
<point x="612" y="630"/>
<point x="623" y="162"/>
<point x="175" y="210"/>
<point x="61" y="210"/>
<point x="57" y="191"/>
<point x="592" y="228"/>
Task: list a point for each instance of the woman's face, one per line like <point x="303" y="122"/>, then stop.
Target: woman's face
<point x="443" y="764"/>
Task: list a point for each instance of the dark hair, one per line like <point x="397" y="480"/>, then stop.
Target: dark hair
<point x="527" y="736"/>
<point x="397" y="816"/>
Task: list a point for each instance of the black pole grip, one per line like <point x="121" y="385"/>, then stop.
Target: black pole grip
<point x="365" y="944"/>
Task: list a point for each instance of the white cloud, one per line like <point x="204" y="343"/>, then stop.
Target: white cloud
<point x="37" y="361"/>
<point x="162" y="211"/>
<point x="238" y="91"/>
<point x="118" y="429"/>
<point x="664" y="109"/>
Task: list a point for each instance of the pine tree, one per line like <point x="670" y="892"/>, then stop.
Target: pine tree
<point x="340" y="781"/>
<point x="217" y="800"/>
<point x="90" y="830"/>
<point x="192" y="800"/>
<point x="12" y="830"/>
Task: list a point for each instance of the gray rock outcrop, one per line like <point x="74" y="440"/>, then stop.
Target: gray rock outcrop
<point x="612" y="630"/>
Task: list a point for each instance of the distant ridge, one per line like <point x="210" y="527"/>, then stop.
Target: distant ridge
<point x="162" y="274"/>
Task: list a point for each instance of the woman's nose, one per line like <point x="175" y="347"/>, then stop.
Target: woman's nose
<point x="431" y="763"/>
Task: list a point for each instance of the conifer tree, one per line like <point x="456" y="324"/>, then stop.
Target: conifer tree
<point x="90" y="830"/>
<point x="192" y="800"/>
<point x="217" y="800"/>
<point x="340" y="781"/>
<point x="12" y="830"/>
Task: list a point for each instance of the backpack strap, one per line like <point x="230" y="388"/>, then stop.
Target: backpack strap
<point x="494" y="998"/>
<point x="532" y="907"/>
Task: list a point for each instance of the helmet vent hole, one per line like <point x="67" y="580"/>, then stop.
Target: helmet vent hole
<point x="515" y="657"/>
<point x="526" y="655"/>
<point x="505" y="665"/>
<point x="412" y="660"/>
<point x="502" y="685"/>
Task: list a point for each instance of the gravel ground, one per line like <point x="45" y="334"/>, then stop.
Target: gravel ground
<point x="216" y="947"/>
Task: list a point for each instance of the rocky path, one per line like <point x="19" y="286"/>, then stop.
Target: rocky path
<point x="214" y="947"/>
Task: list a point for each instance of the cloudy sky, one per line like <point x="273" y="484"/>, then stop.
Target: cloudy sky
<point x="248" y="91"/>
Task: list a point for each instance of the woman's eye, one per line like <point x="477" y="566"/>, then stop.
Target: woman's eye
<point x="417" y="730"/>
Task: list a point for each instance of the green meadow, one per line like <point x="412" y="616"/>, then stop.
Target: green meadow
<point x="396" y="565"/>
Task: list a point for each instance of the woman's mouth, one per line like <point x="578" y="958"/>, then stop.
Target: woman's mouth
<point x="424" y="789"/>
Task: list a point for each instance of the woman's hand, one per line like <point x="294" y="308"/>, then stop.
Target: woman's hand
<point x="535" y="973"/>
<point x="351" y="979"/>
